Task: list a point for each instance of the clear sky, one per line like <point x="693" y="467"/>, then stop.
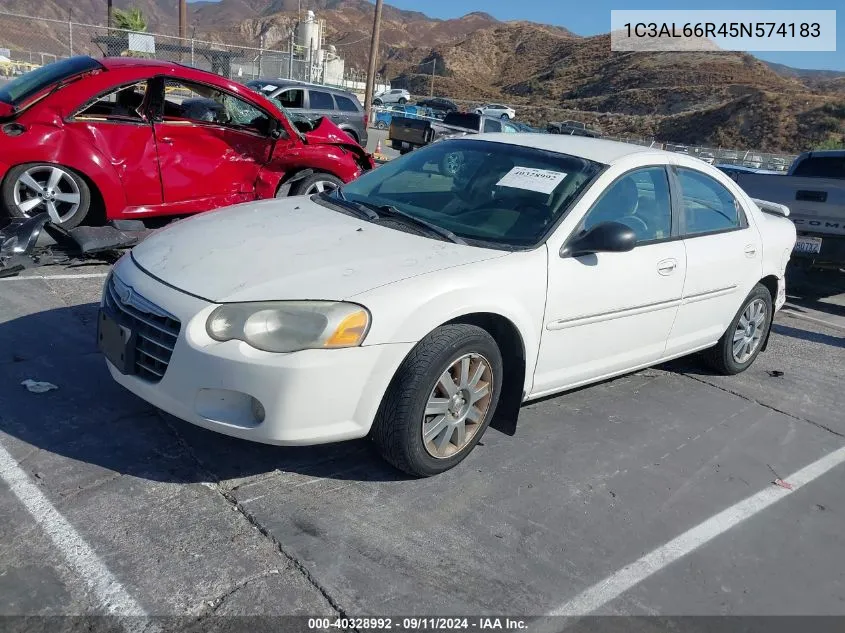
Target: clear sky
<point x="593" y="17"/>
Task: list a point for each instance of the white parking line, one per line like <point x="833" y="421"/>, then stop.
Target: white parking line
<point x="615" y="585"/>
<point x="113" y="598"/>
<point x="76" y="276"/>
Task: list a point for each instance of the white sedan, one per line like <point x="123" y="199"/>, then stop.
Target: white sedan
<point x="413" y="304"/>
<point x="496" y="110"/>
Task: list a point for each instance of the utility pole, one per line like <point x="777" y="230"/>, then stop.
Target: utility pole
<point x="371" y="71"/>
<point x="110" y="13"/>
<point x="433" y="68"/>
<point x="183" y="19"/>
<point x="290" y="56"/>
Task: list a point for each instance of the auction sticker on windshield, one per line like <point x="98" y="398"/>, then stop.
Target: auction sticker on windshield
<point x="532" y="179"/>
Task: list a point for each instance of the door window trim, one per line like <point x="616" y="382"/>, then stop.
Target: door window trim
<point x="675" y="183"/>
<point x="147" y="120"/>
<point x="674" y="231"/>
<point x="157" y="117"/>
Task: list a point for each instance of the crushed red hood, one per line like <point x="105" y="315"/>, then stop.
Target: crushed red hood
<point x="328" y="133"/>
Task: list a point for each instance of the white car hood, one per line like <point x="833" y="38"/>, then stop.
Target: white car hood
<point x="290" y="249"/>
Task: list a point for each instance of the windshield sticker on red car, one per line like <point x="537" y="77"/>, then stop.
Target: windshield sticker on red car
<point x="532" y="179"/>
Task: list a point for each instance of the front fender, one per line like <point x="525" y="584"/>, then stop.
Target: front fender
<point x="511" y="286"/>
<point x="288" y="162"/>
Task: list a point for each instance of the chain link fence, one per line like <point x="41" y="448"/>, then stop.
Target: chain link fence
<point x="28" y="42"/>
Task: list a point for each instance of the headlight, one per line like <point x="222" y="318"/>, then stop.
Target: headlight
<point x="290" y="326"/>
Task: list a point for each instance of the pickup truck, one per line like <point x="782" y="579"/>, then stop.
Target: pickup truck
<point x="407" y="134"/>
<point x="814" y="190"/>
<point x="574" y="128"/>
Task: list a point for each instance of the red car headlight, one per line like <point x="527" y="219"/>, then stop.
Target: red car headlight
<point x="13" y="129"/>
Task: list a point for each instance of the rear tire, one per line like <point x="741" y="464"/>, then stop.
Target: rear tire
<point x="741" y="343"/>
<point x="463" y="359"/>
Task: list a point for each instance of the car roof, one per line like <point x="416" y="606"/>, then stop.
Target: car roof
<point x="598" y="150"/>
<point x="295" y="82"/>
<point x="134" y="62"/>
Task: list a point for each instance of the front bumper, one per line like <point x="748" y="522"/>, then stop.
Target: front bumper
<point x="307" y="397"/>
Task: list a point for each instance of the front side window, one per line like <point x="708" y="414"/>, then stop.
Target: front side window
<point x="707" y="206"/>
<point x="185" y="101"/>
<point x="293" y="98"/>
<point x="640" y="200"/>
<point x="321" y="100"/>
<point x="124" y="104"/>
<point x="498" y="194"/>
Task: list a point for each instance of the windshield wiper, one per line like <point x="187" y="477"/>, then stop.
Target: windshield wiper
<point x="361" y="210"/>
<point x="391" y="211"/>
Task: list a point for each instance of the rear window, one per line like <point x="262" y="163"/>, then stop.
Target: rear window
<point x="821" y="167"/>
<point x="320" y="100"/>
<point x="462" y="119"/>
<point x="33" y="82"/>
<point x="345" y="104"/>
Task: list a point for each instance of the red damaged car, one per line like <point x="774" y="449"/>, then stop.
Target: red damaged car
<point x="123" y="138"/>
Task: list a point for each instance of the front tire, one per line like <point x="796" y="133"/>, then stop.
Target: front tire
<point x="316" y="183"/>
<point x="505" y="116"/>
<point x="742" y="341"/>
<point x="59" y="191"/>
<point x="440" y="401"/>
<point x="403" y="101"/>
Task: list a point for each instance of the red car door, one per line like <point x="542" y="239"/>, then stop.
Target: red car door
<point x="117" y="125"/>
<point x="211" y="145"/>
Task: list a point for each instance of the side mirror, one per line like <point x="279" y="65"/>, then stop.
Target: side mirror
<point x="272" y="128"/>
<point x="607" y="237"/>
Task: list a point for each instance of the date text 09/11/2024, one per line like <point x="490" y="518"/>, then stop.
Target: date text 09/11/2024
<point x="419" y="623"/>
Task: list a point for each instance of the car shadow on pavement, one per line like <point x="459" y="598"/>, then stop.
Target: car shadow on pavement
<point x="807" y="335"/>
<point x="93" y="420"/>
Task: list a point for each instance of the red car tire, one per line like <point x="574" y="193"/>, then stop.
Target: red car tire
<point x="34" y="188"/>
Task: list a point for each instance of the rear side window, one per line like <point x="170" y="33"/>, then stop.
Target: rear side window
<point x="345" y="104"/>
<point x="821" y="167"/>
<point x="320" y="100"/>
<point x="707" y="205"/>
<point x="293" y="98"/>
<point x="492" y="126"/>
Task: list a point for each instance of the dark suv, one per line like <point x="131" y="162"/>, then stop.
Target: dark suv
<point x="314" y="101"/>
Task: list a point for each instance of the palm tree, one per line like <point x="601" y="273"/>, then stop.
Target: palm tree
<point x="131" y="20"/>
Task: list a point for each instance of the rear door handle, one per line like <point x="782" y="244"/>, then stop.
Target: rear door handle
<point x="750" y="250"/>
<point x="166" y="139"/>
<point x="667" y="266"/>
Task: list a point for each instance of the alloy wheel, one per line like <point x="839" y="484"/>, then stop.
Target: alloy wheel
<point x="47" y="188"/>
<point x="749" y="331"/>
<point x="320" y="186"/>
<point x="457" y="406"/>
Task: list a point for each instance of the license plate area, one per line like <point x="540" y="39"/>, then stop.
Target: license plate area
<point x="116" y="342"/>
<point x="806" y="244"/>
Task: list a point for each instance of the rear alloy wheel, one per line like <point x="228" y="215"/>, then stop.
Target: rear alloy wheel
<point x="743" y="340"/>
<point x="440" y="401"/>
<point x="35" y="188"/>
<point x="316" y="183"/>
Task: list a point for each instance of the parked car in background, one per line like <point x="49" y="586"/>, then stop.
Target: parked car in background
<point x="412" y="306"/>
<point x="314" y="101"/>
<point x="396" y="95"/>
<point x="407" y="134"/>
<point x="814" y="191"/>
<point x="572" y="128"/>
<point x="524" y="127"/>
<point x="385" y="116"/>
<point x="439" y="103"/>
<point x="497" y="110"/>
<point x="120" y="138"/>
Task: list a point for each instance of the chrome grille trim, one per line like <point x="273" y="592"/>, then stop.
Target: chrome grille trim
<point x="155" y="330"/>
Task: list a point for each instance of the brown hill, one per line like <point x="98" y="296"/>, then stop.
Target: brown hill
<point x="546" y="72"/>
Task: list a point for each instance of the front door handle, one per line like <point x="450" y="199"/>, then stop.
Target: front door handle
<point x="166" y="139"/>
<point x="667" y="266"/>
<point x="750" y="250"/>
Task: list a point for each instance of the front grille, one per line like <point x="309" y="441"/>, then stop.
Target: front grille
<point x="155" y="331"/>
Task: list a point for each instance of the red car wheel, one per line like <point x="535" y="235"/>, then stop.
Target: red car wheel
<point x="35" y="188"/>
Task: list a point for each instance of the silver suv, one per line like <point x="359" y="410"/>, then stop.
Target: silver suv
<point x="313" y="101"/>
<point x="396" y="95"/>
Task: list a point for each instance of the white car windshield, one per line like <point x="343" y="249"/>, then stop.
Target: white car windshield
<point x="495" y="194"/>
